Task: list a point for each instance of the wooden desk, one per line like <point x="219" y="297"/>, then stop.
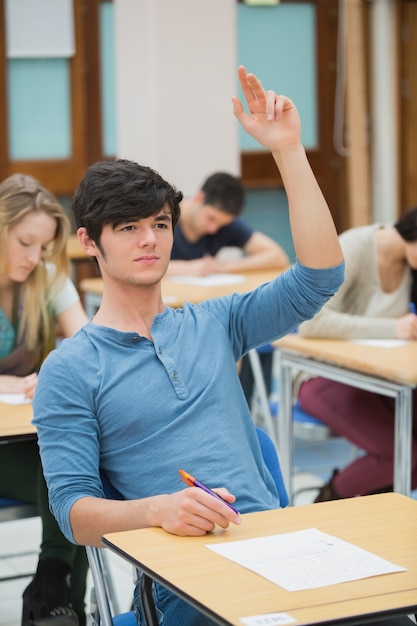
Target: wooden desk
<point x="175" y="293"/>
<point x="15" y="422"/>
<point x="74" y="250"/>
<point x="388" y="371"/>
<point x="383" y="524"/>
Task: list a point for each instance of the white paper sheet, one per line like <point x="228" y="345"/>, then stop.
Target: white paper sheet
<point x="305" y="559"/>
<point x="213" y="280"/>
<point x="381" y="343"/>
<point x="169" y="299"/>
<point x="14" y="398"/>
<point x="268" y="619"/>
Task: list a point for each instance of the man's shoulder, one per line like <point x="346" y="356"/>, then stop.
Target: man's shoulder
<point x="71" y="346"/>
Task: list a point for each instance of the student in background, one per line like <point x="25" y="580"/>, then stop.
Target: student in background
<point x="160" y="383"/>
<point x="373" y="303"/>
<point x="210" y="221"/>
<point x="35" y="294"/>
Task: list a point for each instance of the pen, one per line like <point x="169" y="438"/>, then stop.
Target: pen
<point x="189" y="480"/>
<point x="412" y="308"/>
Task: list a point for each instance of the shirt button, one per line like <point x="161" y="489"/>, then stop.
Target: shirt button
<point x="175" y="375"/>
<point x="160" y="350"/>
<point x="135" y="339"/>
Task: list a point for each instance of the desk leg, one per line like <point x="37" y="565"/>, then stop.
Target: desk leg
<point x="402" y="441"/>
<point x="146" y="600"/>
<point x="285" y="426"/>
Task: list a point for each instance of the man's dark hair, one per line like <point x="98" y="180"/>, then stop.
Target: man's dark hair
<point x="225" y="192"/>
<point x="114" y="192"/>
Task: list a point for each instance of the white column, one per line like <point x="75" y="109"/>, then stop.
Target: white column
<point x="384" y="114"/>
<point x="176" y="70"/>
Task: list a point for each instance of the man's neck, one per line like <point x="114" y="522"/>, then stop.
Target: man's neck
<point x="130" y="308"/>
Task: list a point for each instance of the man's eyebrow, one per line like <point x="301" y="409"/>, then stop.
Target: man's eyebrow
<point x="164" y="217"/>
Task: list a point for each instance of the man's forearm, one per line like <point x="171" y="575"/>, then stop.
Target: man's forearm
<point x="91" y="518"/>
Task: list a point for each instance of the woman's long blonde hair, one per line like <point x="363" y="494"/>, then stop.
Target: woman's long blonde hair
<point x="21" y="195"/>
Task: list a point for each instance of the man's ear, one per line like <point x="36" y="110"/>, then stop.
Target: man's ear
<point x="87" y="244"/>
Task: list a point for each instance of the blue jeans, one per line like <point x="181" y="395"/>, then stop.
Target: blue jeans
<point x="170" y="609"/>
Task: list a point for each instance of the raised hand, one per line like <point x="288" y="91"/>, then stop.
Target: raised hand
<point x="273" y="119"/>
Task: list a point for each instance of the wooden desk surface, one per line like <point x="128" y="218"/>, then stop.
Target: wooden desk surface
<point x="383" y="524"/>
<point x="15" y="421"/>
<point x="176" y="293"/>
<point x="398" y="364"/>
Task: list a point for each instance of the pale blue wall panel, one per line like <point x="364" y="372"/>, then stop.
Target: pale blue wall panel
<point x="107" y="74"/>
<point x="39" y="109"/>
<point x="267" y="210"/>
<point x="279" y="45"/>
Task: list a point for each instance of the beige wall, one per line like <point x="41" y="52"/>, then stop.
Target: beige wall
<point x="175" y="74"/>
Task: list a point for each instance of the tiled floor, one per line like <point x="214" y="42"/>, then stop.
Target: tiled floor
<point x="314" y="464"/>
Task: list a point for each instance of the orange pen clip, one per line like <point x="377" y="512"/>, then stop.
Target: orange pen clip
<point x="189" y="480"/>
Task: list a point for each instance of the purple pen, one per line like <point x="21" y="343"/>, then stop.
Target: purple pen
<point x="193" y="482"/>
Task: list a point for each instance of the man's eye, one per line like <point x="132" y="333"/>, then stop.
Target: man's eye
<point x="161" y="226"/>
<point x="23" y="243"/>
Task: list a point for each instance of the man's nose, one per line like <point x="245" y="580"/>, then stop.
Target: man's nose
<point x="147" y="237"/>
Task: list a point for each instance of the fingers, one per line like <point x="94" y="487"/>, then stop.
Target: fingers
<point x="238" y="109"/>
<point x="250" y="85"/>
<point x="275" y="105"/>
<point x="272" y="112"/>
<point x="257" y="98"/>
<point x="197" y="512"/>
<point x="406" y="327"/>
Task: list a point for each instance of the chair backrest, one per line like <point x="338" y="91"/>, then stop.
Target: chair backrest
<point x="270" y="455"/>
<point x="11" y="509"/>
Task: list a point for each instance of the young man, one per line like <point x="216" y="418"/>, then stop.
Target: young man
<point x="209" y="223"/>
<point x="143" y="389"/>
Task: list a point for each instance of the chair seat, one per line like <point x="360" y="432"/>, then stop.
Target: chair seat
<point x="305" y="426"/>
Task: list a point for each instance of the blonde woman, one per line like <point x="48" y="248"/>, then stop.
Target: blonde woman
<point x="36" y="294"/>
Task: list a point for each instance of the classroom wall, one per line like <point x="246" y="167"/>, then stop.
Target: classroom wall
<point x="175" y="74"/>
<point x="267" y="210"/>
<point x="168" y="70"/>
